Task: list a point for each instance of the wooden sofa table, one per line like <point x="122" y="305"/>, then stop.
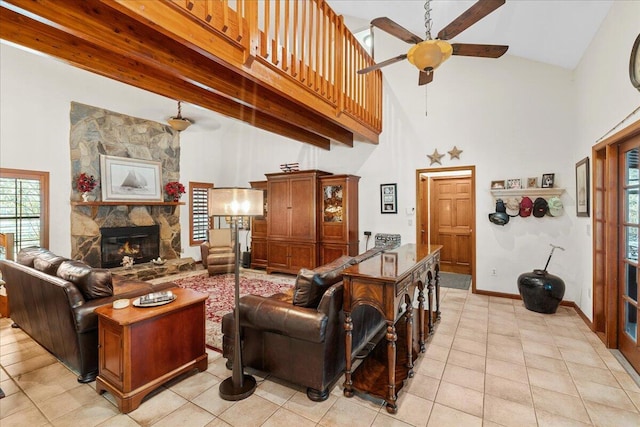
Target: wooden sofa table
<point x="142" y="348"/>
<point x="388" y="282"/>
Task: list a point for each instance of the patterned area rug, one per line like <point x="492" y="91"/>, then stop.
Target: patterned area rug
<point x="220" y="289"/>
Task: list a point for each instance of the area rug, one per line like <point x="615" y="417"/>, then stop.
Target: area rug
<point x="454" y="280"/>
<point x="220" y="289"/>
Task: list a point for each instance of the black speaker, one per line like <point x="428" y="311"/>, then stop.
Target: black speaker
<point x="246" y="259"/>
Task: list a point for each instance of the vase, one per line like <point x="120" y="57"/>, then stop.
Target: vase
<point x="540" y="291"/>
<point x="85" y="196"/>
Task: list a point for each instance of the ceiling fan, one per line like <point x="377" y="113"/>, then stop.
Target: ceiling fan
<point x="429" y="53"/>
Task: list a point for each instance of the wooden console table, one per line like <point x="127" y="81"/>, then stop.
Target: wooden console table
<point x="142" y="348"/>
<point x="388" y="282"/>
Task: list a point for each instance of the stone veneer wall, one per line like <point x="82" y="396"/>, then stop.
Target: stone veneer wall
<point x="96" y="131"/>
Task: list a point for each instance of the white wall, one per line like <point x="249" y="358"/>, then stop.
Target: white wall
<point x="604" y="97"/>
<point x="513" y="118"/>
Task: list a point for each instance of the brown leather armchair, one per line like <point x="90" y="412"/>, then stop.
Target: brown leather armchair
<point x="301" y="338"/>
<point x="218" y="255"/>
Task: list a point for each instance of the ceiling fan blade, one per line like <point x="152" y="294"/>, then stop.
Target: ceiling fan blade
<point x="383" y="64"/>
<point x="425" y="77"/>
<point x="472" y="15"/>
<point x="388" y="26"/>
<point x="481" y="50"/>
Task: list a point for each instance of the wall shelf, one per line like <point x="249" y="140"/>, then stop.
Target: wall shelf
<point x="96" y="204"/>
<point x="529" y="192"/>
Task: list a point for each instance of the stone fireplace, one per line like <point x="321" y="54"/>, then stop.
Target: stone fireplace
<point x="96" y="131"/>
<point x="140" y="243"/>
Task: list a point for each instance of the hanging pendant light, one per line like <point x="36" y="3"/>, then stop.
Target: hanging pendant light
<point x="178" y="122"/>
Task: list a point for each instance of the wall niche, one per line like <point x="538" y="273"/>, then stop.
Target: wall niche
<point x="96" y="131"/>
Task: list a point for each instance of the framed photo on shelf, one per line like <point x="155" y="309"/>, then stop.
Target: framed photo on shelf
<point x="547" y="180"/>
<point x="514" y="184"/>
<point x="497" y="185"/>
<point x="532" y="182"/>
<point x="582" y="187"/>
<point x="126" y="179"/>
<point x="388" y="199"/>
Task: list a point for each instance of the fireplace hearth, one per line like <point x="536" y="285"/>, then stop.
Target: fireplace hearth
<point x="141" y="243"/>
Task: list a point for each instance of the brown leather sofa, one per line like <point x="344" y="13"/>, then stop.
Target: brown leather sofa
<point x="300" y="338"/>
<point x="53" y="298"/>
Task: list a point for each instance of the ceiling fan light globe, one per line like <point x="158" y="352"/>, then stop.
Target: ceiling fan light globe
<point x="426" y="55"/>
<point x="446" y="49"/>
<point x="179" y="123"/>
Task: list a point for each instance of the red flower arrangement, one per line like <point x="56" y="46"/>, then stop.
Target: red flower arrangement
<point x="174" y="189"/>
<point x="86" y="183"/>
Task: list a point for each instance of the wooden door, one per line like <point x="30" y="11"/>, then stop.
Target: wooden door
<point x="629" y="220"/>
<point x="451" y="222"/>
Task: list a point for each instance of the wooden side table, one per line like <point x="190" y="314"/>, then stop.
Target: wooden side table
<point x="142" y="348"/>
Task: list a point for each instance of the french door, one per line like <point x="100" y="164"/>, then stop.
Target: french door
<point x="629" y="220"/>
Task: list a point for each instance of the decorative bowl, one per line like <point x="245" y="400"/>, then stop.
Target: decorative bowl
<point x="158" y="261"/>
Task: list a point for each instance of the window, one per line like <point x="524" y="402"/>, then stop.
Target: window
<point x="199" y="212"/>
<point x="24" y="207"/>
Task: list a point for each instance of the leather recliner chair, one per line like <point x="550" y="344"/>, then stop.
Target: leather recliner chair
<point x="218" y="255"/>
<point x="301" y="338"/>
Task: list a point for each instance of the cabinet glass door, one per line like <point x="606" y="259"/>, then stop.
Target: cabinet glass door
<point x="332" y="205"/>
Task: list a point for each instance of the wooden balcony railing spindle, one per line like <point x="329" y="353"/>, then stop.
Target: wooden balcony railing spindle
<point x="295" y="53"/>
<point x="287" y="41"/>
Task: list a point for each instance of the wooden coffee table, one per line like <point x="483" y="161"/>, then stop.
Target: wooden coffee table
<point x="142" y="348"/>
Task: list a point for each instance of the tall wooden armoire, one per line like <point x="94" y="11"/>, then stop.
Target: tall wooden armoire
<point x="292" y="225"/>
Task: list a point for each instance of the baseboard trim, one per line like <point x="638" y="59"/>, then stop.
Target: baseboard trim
<point x="565" y="303"/>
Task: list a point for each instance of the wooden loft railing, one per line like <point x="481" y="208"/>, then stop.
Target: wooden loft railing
<point x="287" y="66"/>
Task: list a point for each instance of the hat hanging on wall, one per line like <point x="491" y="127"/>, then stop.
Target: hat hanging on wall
<point x="178" y="122"/>
<point x="513" y="206"/>
<point x="540" y="207"/>
<point x="526" y="206"/>
<point x="500" y="216"/>
<point x="556" y="207"/>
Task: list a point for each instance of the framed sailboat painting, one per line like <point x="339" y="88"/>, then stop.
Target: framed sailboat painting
<point x="126" y="179"/>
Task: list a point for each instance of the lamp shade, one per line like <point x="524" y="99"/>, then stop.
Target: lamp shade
<point x="236" y="202"/>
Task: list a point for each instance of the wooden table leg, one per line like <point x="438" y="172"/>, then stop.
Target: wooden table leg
<point x="348" y="328"/>
<point x="430" y="298"/>
<point x="409" y="320"/>
<point x="423" y="347"/>
<point x="437" y="293"/>
<point x="392" y="337"/>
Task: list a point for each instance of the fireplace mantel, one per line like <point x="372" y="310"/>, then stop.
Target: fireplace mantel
<point x="95" y="205"/>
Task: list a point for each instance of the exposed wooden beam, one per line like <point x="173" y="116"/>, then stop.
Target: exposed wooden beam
<point x="114" y="33"/>
<point x="27" y="32"/>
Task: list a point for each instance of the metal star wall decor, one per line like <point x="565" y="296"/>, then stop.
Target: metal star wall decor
<point x="455" y="153"/>
<point x="435" y="157"/>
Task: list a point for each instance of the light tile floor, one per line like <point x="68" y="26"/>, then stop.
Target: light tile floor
<point x="491" y="362"/>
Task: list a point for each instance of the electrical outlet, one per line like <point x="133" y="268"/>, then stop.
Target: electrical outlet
<point x="494" y="272"/>
<point x="367" y="233"/>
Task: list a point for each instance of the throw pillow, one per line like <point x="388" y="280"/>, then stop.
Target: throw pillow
<point x="312" y="284"/>
<point x="92" y="282"/>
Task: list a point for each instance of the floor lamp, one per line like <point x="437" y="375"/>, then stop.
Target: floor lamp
<point x="236" y="203"/>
